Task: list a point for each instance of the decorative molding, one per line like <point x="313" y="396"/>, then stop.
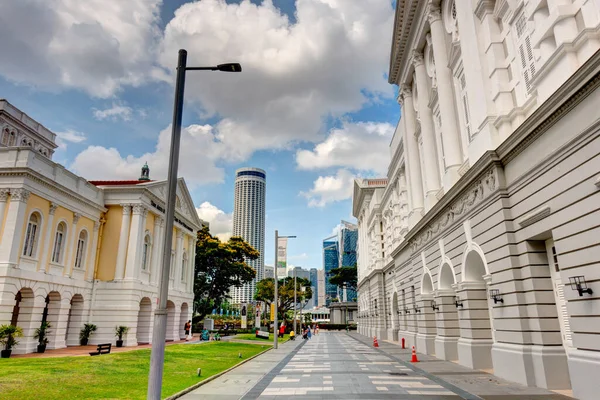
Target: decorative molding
<point x="96" y="226"/>
<point x="534" y="216"/>
<point x="52" y="209"/>
<point x="434" y="13"/>
<point x="598" y="182"/>
<point x="472" y="196"/>
<point x="483" y="8"/>
<point x="464" y="167"/>
<point x="19" y="195"/>
<point x="138" y="209"/>
<point x="4" y="194"/>
<point x="76" y="217"/>
<point x="126" y="209"/>
<point x="417" y="58"/>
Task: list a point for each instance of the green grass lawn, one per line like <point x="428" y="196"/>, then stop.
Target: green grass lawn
<point x="116" y="376"/>
<point x="252" y="336"/>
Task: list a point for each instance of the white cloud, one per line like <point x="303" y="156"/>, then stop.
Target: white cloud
<point x="361" y="145"/>
<point x="221" y="223"/>
<point x="199" y="155"/>
<point x="298" y="257"/>
<point x="114" y="113"/>
<point x="330" y="189"/>
<point x="94" y="45"/>
<point x="69" y="136"/>
<point x="294" y="75"/>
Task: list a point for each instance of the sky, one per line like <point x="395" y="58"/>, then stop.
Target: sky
<point x="312" y="106"/>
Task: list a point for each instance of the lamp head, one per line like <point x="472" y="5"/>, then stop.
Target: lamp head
<point x="229" y="67"/>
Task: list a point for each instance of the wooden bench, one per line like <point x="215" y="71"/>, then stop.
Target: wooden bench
<point x="102" y="349"/>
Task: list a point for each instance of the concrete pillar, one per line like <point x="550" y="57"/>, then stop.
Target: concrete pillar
<point x="73" y="236"/>
<point x="3" y="197"/>
<point x="135" y="239"/>
<point x="58" y="316"/>
<point x="177" y="285"/>
<point x="430" y="162"/>
<point x="44" y="266"/>
<point x="448" y="330"/>
<point x="157" y="244"/>
<point x="191" y="264"/>
<point x="412" y="157"/>
<point x="30" y="318"/>
<point x="426" y="326"/>
<point x="123" y="238"/>
<point x="450" y="129"/>
<point x="13" y="227"/>
<point x="91" y="263"/>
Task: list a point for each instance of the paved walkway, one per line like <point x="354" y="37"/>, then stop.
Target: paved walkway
<point x="346" y="366"/>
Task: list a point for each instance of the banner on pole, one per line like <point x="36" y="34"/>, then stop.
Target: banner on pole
<point x="244" y="317"/>
<point x="272" y="312"/>
<point x="281" y="257"/>
<point x="257" y="322"/>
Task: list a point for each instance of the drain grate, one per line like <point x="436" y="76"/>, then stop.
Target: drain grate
<point x="398" y="373"/>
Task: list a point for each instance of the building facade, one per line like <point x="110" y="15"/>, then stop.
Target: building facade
<point x="314" y="283"/>
<point x="74" y="251"/>
<point x="269" y="272"/>
<point x="480" y="244"/>
<point x="321" y="287"/>
<point x="249" y="223"/>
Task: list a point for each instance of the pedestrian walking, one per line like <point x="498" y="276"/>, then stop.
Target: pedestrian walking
<point x="187" y="327"/>
<point x="309" y="334"/>
<point x="317" y="329"/>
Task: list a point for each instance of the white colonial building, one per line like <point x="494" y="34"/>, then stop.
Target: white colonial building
<point x="74" y="251"/>
<point x="481" y="243"/>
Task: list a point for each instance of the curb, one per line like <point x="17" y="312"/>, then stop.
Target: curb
<point x="211" y="378"/>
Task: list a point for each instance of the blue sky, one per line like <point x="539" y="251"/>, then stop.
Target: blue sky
<point x="312" y="107"/>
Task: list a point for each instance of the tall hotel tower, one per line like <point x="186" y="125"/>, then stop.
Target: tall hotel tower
<point x="249" y="223"/>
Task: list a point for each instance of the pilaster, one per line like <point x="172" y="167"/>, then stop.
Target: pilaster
<point x="123" y="239"/>
<point x="13" y="227"/>
<point x="135" y="241"/>
<point x="49" y="229"/>
<point x="69" y="263"/>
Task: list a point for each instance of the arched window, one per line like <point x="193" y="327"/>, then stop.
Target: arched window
<point x="146" y="253"/>
<point x="29" y="247"/>
<point x="59" y="243"/>
<point x="5" y="136"/>
<point x="183" y="267"/>
<point x="81" y="246"/>
<point x="12" y="139"/>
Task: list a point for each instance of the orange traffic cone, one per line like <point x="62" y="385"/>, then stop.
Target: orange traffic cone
<point x="375" y="343"/>
<point x="414" y="355"/>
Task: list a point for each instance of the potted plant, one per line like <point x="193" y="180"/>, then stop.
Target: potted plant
<point x="119" y="332"/>
<point x="41" y="334"/>
<point x="86" y="332"/>
<point x="8" y="336"/>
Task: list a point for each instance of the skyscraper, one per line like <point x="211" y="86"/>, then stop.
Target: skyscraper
<point x="347" y="242"/>
<point x="249" y="223"/>
<point x="314" y="282"/>
<point x="330" y="261"/>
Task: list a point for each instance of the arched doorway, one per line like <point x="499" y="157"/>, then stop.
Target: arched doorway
<point x="476" y="336"/>
<point x="427" y="330"/>
<point x="51" y="314"/>
<point x="75" y="321"/>
<point x="144" y="322"/>
<point x="183" y="318"/>
<point x="448" y="330"/>
<point x="171" y="322"/>
<point x="22" y="316"/>
<point x="395" y="317"/>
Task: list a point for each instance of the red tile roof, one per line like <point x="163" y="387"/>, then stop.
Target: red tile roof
<point x="117" y="183"/>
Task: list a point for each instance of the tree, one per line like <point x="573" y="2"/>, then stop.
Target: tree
<point x="219" y="266"/>
<point x="265" y="292"/>
<point x="344" y="277"/>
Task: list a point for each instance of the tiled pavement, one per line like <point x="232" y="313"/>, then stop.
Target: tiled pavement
<point x="346" y="366"/>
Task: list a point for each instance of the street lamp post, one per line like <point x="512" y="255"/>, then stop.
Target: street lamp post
<point x="157" y="356"/>
<point x="295" y="301"/>
<point x="276" y="295"/>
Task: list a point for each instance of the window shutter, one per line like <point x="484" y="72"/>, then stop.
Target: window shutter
<point x="525" y="51"/>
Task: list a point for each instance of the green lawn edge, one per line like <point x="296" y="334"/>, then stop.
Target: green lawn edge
<point x="118" y="375"/>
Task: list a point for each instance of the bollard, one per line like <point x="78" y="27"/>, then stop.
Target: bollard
<point x="199" y="372"/>
<point x="403" y="343"/>
<point x="239" y="355"/>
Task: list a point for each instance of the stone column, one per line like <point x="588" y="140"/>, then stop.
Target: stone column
<point x="3" y="197"/>
<point x="450" y="133"/>
<point x="13" y="227"/>
<point x="448" y="330"/>
<point x="123" y="238"/>
<point x="135" y="239"/>
<point x="48" y="238"/>
<point x="32" y="311"/>
<point x="69" y="264"/>
<point x="430" y="162"/>
<point x="412" y="156"/>
<point x="191" y="264"/>
<point x="155" y="269"/>
<point x="90" y="265"/>
<point x="178" y="258"/>
<point x="426" y="325"/>
<point x="58" y="313"/>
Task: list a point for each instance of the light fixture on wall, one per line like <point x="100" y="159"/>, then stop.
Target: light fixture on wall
<point x="406" y="311"/>
<point x="457" y="302"/>
<point x="495" y="295"/>
<point x="578" y="283"/>
<point x="417" y="309"/>
<point x="434" y="306"/>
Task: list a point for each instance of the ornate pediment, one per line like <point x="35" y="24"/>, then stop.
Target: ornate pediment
<point x="184" y="204"/>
